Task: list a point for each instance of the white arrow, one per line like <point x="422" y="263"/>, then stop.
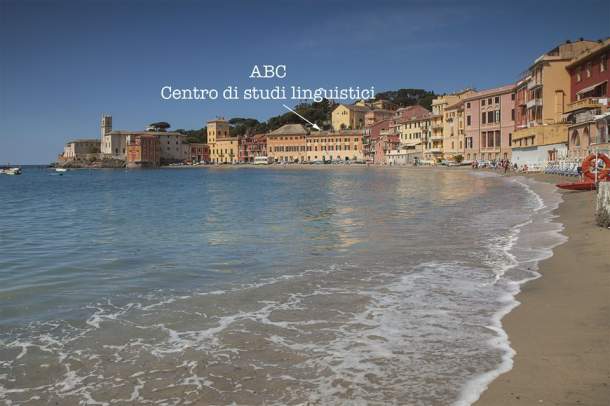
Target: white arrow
<point x="314" y="126"/>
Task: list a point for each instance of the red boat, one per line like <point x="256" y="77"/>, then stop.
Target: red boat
<point x="594" y="167"/>
<point x="577" y="186"/>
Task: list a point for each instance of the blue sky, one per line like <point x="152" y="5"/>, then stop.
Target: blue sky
<point x="63" y="64"/>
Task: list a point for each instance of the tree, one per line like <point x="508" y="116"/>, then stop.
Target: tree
<point x="458" y="159"/>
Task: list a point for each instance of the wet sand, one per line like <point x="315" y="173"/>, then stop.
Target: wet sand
<point x="561" y="330"/>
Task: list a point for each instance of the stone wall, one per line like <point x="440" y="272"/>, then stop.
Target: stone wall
<point x="603" y="204"/>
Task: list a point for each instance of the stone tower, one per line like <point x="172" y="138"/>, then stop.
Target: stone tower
<point x="106" y="125"/>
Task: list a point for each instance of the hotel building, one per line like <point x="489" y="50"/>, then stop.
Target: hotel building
<point x="346" y="145"/>
<point x="287" y="144"/>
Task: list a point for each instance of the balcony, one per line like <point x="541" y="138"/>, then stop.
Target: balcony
<point x="532" y="84"/>
<point x="434" y="150"/>
<point x="533" y="103"/>
<point x="588" y="103"/>
<point x="436" y="137"/>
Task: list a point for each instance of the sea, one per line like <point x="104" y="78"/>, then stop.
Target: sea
<point x="317" y="285"/>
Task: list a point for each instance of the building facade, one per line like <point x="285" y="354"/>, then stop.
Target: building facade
<point x="589" y="77"/>
<point x="542" y="95"/>
<point x="345" y="145"/>
<point x="444" y="123"/>
<point x="199" y="152"/>
<point x="251" y="147"/>
<point x="489" y="124"/>
<point x="143" y="151"/>
<point x="81" y="149"/>
<point x="349" y="117"/>
<point x="219" y="129"/>
<point x="287" y="144"/>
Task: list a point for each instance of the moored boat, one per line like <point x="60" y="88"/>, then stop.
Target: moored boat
<point x="577" y="186"/>
<point x="10" y="170"/>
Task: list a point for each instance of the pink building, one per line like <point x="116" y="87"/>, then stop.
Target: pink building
<point x="371" y="136"/>
<point x="377" y="115"/>
<point x="489" y="124"/>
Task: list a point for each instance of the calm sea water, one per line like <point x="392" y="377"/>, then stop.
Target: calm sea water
<point x="262" y="286"/>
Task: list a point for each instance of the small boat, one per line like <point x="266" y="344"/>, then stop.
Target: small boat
<point x="10" y="171"/>
<point x="61" y="170"/>
<point x="577" y="186"/>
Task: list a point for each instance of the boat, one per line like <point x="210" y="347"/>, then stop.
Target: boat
<point x="261" y="160"/>
<point x="61" y="170"/>
<point x="10" y="170"/>
<point x="577" y="186"/>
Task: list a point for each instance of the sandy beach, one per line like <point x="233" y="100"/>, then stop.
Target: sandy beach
<point x="561" y="330"/>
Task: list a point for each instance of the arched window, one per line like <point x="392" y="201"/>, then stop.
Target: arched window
<point x="586" y="139"/>
<point x="575" y="139"/>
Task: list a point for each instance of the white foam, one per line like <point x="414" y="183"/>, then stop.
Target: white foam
<point x="473" y="389"/>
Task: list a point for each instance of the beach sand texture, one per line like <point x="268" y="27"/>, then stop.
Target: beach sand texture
<point x="561" y="330"/>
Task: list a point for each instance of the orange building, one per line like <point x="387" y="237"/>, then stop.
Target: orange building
<point x="143" y="151"/>
<point x="287" y="144"/>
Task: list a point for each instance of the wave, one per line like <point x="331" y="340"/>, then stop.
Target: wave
<point x="526" y="258"/>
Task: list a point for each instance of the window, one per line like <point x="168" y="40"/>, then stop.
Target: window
<point x="578" y="73"/>
<point x="497" y="116"/>
<point x="510" y="139"/>
<point x="467" y="120"/>
<point x="483" y="102"/>
<point x="498" y="139"/>
<point x="512" y="114"/>
<point x="468" y="105"/>
<point x="483" y="118"/>
<point x="588" y="68"/>
<point x="497" y="100"/>
<point x="489" y="101"/>
<point x="490" y="117"/>
<point x="512" y="96"/>
<point x="603" y="64"/>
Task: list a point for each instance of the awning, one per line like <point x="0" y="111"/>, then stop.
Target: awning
<point x="588" y="89"/>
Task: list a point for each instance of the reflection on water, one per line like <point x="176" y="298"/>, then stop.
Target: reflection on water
<point x="215" y="286"/>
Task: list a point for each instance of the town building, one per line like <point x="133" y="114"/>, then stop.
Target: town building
<point x="542" y="95"/>
<point x="143" y="151"/>
<point x="445" y="125"/>
<point x="453" y="129"/>
<point x="412" y="125"/>
<point x="287" y="144"/>
<point x="372" y="134"/>
<point x="223" y="148"/>
<point x="381" y="147"/>
<point x="344" y="145"/>
<point x="252" y="146"/>
<point x="349" y="117"/>
<point x="489" y="124"/>
<point x="112" y="145"/>
<point x="82" y="149"/>
<point x="199" y="152"/>
<point x="590" y="93"/>
<point x="373" y="116"/>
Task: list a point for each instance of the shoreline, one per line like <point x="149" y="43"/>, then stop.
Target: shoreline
<point x="559" y="329"/>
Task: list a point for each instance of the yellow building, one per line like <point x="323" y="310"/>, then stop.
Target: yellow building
<point x="453" y="131"/>
<point x="223" y="147"/>
<point x="345" y="145"/>
<point x="444" y="130"/>
<point x="349" y="117"/>
<point x="542" y="95"/>
<point x="287" y="144"/>
<point x="413" y="131"/>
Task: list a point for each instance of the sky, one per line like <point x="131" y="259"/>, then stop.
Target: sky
<point x="65" y="63"/>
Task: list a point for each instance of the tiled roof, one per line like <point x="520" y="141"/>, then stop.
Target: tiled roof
<point x="290" y="129"/>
